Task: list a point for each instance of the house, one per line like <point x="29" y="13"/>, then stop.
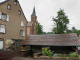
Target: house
<point x="31" y="26"/>
<point x="56" y="42"/>
<point x="12" y="22"/>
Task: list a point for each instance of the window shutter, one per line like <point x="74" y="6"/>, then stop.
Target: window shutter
<point x="22" y="23"/>
<point x="7" y="18"/>
<point x="23" y="33"/>
<point x="3" y="29"/>
<point x="0" y="15"/>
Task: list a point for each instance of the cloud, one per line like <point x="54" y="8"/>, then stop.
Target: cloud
<point x="47" y="9"/>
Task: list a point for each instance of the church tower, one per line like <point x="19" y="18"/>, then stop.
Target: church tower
<point x="31" y="26"/>
<point x="33" y="21"/>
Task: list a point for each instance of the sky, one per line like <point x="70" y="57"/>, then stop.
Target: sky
<point x="47" y="9"/>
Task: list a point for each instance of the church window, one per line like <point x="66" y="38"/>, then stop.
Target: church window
<point x="32" y="18"/>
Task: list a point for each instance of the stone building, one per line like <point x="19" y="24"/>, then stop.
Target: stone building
<point x="31" y="26"/>
<point x="12" y="22"/>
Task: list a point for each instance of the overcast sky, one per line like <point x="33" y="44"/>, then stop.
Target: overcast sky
<point x="47" y="9"/>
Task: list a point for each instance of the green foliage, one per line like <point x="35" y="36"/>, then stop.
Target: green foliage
<point x="26" y="48"/>
<point x="61" y="22"/>
<point x="39" y="28"/>
<point x="70" y="55"/>
<point x="69" y="31"/>
<point x="73" y="55"/>
<point x="63" y="56"/>
<point x="49" y="33"/>
<point x="46" y="51"/>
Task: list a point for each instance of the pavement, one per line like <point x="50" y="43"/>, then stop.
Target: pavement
<point x="22" y="58"/>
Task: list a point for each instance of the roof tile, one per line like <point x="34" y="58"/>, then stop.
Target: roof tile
<point x="52" y="39"/>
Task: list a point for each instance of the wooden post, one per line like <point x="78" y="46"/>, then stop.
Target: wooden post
<point x="30" y="47"/>
<point x="22" y="48"/>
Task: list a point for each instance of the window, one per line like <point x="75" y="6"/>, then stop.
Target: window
<point x="22" y="23"/>
<point x="15" y="3"/>
<point x="33" y="18"/>
<point x="3" y="16"/>
<point x="19" y="12"/>
<point x="9" y="7"/>
<point x="22" y="33"/>
<point x="2" y="28"/>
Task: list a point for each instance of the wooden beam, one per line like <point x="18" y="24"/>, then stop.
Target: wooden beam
<point x="22" y="47"/>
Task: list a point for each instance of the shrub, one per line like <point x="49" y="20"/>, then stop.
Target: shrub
<point x="9" y="41"/>
<point x="47" y="52"/>
<point x="55" y="55"/>
<point x="73" y="55"/>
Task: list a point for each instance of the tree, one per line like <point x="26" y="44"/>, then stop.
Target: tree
<point x="68" y="31"/>
<point x="39" y="28"/>
<point x="49" y="32"/>
<point x="61" y="22"/>
<point x="9" y="42"/>
<point x="74" y="30"/>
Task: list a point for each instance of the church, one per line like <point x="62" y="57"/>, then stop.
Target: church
<point x="31" y="26"/>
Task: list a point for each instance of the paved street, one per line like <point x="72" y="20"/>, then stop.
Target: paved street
<point x="22" y="58"/>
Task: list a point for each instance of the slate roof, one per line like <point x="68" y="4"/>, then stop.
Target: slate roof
<point x="29" y="24"/>
<point x="4" y="1"/>
<point x="34" y="13"/>
<point x="52" y="40"/>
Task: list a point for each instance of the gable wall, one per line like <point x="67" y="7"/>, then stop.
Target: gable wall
<point x="13" y="27"/>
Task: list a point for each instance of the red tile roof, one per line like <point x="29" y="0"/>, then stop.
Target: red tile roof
<point x="53" y="40"/>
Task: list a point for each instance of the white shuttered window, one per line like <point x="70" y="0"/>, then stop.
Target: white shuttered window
<point x="22" y="33"/>
<point x="2" y="28"/>
<point x="4" y="17"/>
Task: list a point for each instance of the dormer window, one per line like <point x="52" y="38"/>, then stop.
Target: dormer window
<point x="9" y="7"/>
<point x="19" y="12"/>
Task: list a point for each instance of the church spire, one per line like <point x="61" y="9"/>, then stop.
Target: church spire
<point x="34" y="13"/>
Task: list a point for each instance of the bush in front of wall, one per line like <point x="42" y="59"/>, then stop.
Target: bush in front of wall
<point x="73" y="55"/>
<point x="55" y="55"/>
<point x="47" y="52"/>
